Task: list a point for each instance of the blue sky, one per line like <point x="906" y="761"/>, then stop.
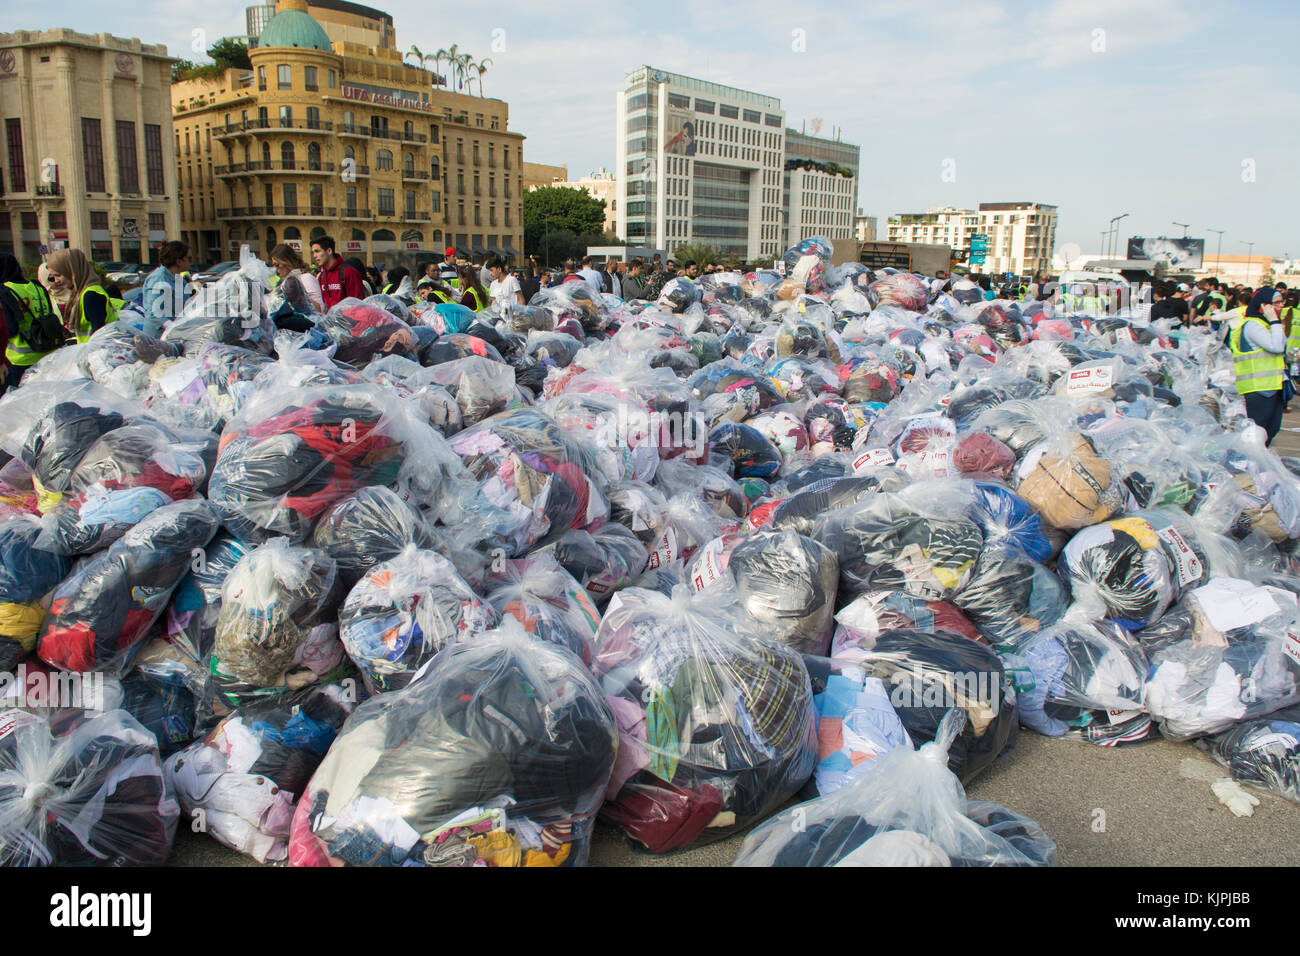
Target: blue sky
<point x="1154" y="115"/>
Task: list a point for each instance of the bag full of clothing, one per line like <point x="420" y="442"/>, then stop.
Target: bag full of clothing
<point x="1224" y="653"/>
<point x="27" y="573"/>
<point x="102" y="611"/>
<point x="917" y="541"/>
<point x="856" y="723"/>
<point x="603" y="562"/>
<point x="165" y="708"/>
<point x="1008" y="523"/>
<point x="245" y="776"/>
<point x="371" y="525"/>
<point x="715" y="723"/>
<point x="550" y="604"/>
<point x="867" y="616"/>
<point x="787" y="586"/>
<point x="272" y="602"/>
<point x="291" y="453"/>
<point x="58" y="440"/>
<point x="1264" y="752"/>
<point x="528" y="465"/>
<point x="1067" y="482"/>
<point x="1082" y="677"/>
<point x="498" y="755"/>
<point x="1010" y="598"/>
<point x="85" y="525"/>
<point x="747" y="451"/>
<point x="405" y="610"/>
<point x="146" y="454"/>
<point x="909" y="810"/>
<point x="1125" y="563"/>
<point x="191" y="624"/>
<point x="925" y="673"/>
<point x="360" y="330"/>
<point x="80" y="788"/>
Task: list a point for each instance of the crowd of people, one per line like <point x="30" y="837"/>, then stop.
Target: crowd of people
<point x="68" y="302"/>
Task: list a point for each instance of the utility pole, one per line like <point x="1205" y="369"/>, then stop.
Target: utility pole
<point x="1250" y="249"/>
<point x="1218" y="250"/>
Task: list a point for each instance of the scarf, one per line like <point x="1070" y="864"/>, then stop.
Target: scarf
<point x="73" y="265"/>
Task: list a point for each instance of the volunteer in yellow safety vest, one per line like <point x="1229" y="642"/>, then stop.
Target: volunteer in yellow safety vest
<point x="89" y="308"/>
<point x="1258" y="345"/>
<point x="30" y="325"/>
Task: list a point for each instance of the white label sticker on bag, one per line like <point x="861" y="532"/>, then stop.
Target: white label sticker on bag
<point x="665" y="552"/>
<point x="710" y="566"/>
<point x="872" y="458"/>
<point x="1088" y="381"/>
<point x="1123" y="334"/>
<point x="1290" y="646"/>
<point x="1230" y="603"/>
<point x="11" y="720"/>
<point x="1185" y="560"/>
<point x="1120" y="716"/>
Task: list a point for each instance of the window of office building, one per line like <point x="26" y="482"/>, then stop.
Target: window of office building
<point x="261" y="77"/>
<point x="128" y="173"/>
<point x="92" y="151"/>
<point x="730" y="112"/>
<point x="676" y="99"/>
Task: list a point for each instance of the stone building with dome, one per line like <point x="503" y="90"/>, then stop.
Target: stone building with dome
<point x="327" y="135"/>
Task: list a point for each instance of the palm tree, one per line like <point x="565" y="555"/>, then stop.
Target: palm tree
<point x="437" y="62"/>
<point x="464" y="61"/>
<point x="453" y="55"/>
<point x="415" y="52"/>
<point x="481" y="67"/>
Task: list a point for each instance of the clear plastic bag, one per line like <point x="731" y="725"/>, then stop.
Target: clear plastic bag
<point x="547" y="600"/>
<point x="79" y="788"/>
<point x="498" y="755"/>
<point x="908" y="811"/>
<point x="272" y="603"/>
<point x="715" y="725"/>
<point x="106" y="607"/>
<point x="403" y="611"/>
<point x="787" y="585"/>
<point x="1264" y="752"/>
<point x="371" y="525"/>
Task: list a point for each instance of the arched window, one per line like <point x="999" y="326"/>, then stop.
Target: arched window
<point x="313" y="156"/>
<point x="270" y="238"/>
<point x="383" y="159"/>
<point x="358" y="235"/>
<point x="408" y="165"/>
<point x="292" y="232"/>
<point x="383" y="235"/>
<point x="286" y="155"/>
<point x="317" y="232"/>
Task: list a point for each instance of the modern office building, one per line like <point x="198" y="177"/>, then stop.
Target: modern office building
<point x="1020" y="235"/>
<point x="699" y="162"/>
<point x="88" y="156"/>
<point x="820" y="187"/>
<point x="331" y="133"/>
<point x="864" y="227"/>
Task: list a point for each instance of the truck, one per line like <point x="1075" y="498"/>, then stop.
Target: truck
<point x="927" y="258"/>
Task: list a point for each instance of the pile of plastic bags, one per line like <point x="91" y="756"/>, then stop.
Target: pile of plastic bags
<point x="403" y="584"/>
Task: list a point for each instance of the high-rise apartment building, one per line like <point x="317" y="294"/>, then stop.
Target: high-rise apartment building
<point x="820" y="187"/>
<point x="1020" y="236"/>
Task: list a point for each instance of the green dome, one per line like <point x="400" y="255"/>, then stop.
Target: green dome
<point x="294" y="28"/>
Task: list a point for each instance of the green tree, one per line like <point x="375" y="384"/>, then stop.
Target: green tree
<point x="228" y="52"/>
<point x="551" y="209"/>
<point x="182" y="69"/>
<point x="698" y="252"/>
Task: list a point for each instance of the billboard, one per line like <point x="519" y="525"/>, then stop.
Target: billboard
<point x="1176" y="253"/>
<point x="679" y="133"/>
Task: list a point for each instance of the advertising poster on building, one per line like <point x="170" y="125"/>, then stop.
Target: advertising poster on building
<point x="1176" y="253"/>
<point x="679" y="133"/>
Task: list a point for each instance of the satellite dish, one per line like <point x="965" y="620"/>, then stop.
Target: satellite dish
<point x="1072" y="254"/>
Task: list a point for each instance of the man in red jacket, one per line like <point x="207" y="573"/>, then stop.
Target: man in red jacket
<point x="338" y="281"/>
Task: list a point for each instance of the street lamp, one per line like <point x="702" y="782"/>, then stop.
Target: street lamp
<point x="1218" y="249"/>
<point x="1250" y="248"/>
<point x="1184" y="225"/>
<point x="1114" y="225"/>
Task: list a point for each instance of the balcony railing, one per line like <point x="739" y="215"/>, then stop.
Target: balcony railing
<point x="262" y="125"/>
<point x="357" y="214"/>
<point x="262" y="166"/>
<point x="417" y="216"/>
<point x="414" y="174"/>
<point x="352" y="129"/>
<point x="48" y="189"/>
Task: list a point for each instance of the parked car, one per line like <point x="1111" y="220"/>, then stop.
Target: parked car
<point x="130" y="276"/>
<point x="215" y="273"/>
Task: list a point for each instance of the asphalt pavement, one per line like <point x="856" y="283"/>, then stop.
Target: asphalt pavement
<point x="1148" y="804"/>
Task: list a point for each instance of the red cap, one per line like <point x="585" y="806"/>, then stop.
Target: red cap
<point x="449" y="252"/>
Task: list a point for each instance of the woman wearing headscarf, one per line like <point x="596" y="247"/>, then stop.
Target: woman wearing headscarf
<point x="88" y="307"/>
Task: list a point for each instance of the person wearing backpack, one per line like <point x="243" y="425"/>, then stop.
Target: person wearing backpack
<point x="31" y="326"/>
